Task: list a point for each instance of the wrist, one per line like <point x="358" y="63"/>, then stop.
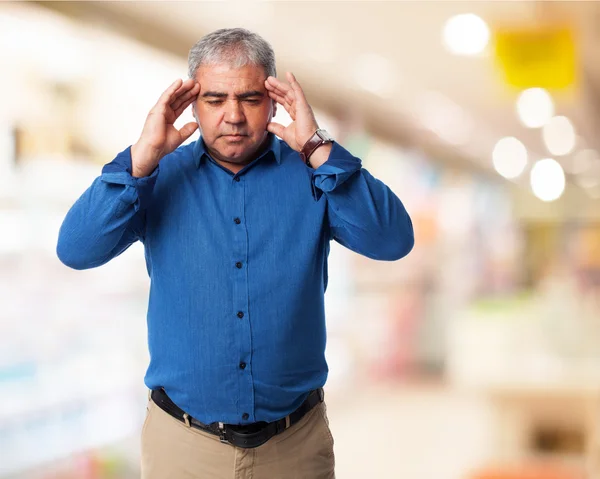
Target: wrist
<point x="316" y="149"/>
<point x="142" y="161"/>
<point x="320" y="155"/>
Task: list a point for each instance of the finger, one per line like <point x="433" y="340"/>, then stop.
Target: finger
<point x="299" y="93"/>
<point x="186" y="85"/>
<point x="290" y="108"/>
<point x="187" y="130"/>
<point x="276" y="129"/>
<point x="183" y="90"/>
<point x="273" y="83"/>
<point x="278" y="98"/>
<point x="166" y="96"/>
<point x="185" y="97"/>
<point x="178" y="104"/>
<point x="292" y="80"/>
<point x="281" y="89"/>
<point x="289" y="97"/>
<point x="182" y="108"/>
<point x="278" y="93"/>
<point x="170" y="96"/>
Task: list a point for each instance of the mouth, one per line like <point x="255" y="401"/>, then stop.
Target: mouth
<point x="234" y="136"/>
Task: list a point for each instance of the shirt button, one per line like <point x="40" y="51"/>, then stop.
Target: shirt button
<point x="242" y="365"/>
<point x="237" y="178"/>
<point x="240" y="315"/>
<point x="238" y="265"/>
<point x="237" y="221"/>
<point x="245" y="416"/>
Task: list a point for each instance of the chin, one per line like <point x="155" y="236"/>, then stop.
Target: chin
<point x="233" y="155"/>
<point x="238" y="152"/>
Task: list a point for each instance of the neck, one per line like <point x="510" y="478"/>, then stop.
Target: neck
<point x="233" y="167"/>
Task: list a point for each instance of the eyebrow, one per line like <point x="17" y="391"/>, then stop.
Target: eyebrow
<point x="248" y="94"/>
<point x="239" y="96"/>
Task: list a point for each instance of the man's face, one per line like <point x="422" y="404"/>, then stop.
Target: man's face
<point x="233" y="110"/>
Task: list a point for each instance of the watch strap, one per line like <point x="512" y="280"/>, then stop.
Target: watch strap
<point x="311" y="145"/>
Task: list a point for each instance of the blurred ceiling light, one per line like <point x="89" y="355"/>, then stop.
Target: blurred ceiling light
<point x="587" y="182"/>
<point x="446" y="118"/>
<point x="559" y="135"/>
<point x="465" y="34"/>
<point x="535" y="107"/>
<point x="547" y="179"/>
<point x="509" y="157"/>
<point x="585" y="166"/>
<point x="375" y="74"/>
<point x="583" y="161"/>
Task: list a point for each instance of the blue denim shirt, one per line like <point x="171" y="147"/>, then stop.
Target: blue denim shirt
<point x="237" y="266"/>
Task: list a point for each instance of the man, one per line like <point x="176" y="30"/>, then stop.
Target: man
<point x="236" y="228"/>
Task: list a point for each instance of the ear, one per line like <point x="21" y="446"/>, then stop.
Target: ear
<point x="273" y="110"/>
<point x="196" y="118"/>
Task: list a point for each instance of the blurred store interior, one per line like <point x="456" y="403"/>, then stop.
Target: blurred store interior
<point x="475" y="357"/>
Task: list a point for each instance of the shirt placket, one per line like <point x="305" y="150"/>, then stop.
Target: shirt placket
<point x="240" y="313"/>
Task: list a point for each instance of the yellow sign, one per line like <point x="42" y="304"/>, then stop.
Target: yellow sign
<point x="541" y="57"/>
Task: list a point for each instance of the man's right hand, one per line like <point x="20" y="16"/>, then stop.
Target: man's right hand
<point x="159" y="136"/>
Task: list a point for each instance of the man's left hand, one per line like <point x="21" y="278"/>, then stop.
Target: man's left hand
<point x="304" y="124"/>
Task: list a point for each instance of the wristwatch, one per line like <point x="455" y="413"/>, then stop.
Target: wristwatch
<point x="321" y="137"/>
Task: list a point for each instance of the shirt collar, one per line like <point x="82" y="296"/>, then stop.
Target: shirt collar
<point x="274" y="148"/>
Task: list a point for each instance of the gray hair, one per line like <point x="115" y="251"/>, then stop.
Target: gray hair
<point x="237" y="47"/>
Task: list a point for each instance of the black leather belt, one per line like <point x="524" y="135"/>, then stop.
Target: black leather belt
<point x="247" y="435"/>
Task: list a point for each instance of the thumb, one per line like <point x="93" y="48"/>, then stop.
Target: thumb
<point x="187" y="130"/>
<point x="276" y="129"/>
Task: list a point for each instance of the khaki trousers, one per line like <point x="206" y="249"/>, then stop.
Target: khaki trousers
<point x="171" y="450"/>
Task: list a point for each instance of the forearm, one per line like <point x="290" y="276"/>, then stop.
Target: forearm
<point x="320" y="156"/>
<point x="364" y="214"/>
<point x="107" y="218"/>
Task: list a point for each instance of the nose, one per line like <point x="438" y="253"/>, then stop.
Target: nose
<point x="234" y="113"/>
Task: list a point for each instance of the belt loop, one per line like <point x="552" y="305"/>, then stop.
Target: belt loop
<point x="222" y="437"/>
<point x="321" y="393"/>
<point x="287" y="422"/>
<point x="149" y="394"/>
<point x="186" y="419"/>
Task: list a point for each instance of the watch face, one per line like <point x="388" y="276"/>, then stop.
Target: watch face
<point x="324" y="135"/>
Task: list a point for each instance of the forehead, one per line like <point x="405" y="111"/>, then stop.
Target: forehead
<point x="224" y="78"/>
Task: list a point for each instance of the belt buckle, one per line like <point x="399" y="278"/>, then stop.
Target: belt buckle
<point x="247" y="441"/>
<point x="222" y="436"/>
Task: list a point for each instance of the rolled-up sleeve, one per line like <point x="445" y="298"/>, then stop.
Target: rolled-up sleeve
<point x="364" y="214"/>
